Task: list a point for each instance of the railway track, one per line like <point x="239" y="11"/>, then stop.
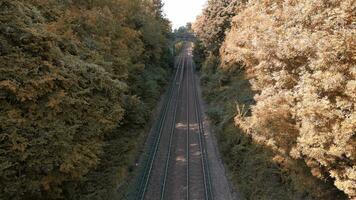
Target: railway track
<point x="178" y="167"/>
<point x="204" y="157"/>
<point x="160" y="141"/>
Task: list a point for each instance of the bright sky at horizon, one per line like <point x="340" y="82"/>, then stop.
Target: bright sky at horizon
<point x="180" y="12"/>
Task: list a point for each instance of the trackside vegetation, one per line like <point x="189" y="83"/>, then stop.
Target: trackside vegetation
<point x="279" y="77"/>
<point x="78" y="81"/>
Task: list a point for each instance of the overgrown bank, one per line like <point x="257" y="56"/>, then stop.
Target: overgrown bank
<point x="299" y="122"/>
<point x="257" y="171"/>
<point x="78" y="80"/>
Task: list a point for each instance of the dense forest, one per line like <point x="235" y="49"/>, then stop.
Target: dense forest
<point x="280" y="81"/>
<point x="78" y="82"/>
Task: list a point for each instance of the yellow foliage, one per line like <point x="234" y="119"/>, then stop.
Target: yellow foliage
<point x="300" y="57"/>
<point x="69" y="71"/>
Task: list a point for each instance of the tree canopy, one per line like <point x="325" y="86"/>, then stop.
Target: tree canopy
<point x="77" y="82"/>
<point x="299" y="59"/>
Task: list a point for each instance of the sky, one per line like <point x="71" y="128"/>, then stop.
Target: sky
<point x="180" y="12"/>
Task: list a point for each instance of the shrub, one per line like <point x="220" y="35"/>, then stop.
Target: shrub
<point x="300" y="58"/>
<point x="67" y="104"/>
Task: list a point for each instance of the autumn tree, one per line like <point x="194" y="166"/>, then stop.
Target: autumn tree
<point x="76" y="88"/>
<point x="212" y="24"/>
<point x="299" y="57"/>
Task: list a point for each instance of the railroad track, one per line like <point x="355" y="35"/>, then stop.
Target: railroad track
<point x="204" y="158"/>
<point x="144" y="186"/>
<point x="177" y="165"/>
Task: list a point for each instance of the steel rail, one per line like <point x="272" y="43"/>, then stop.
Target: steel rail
<point x="144" y="183"/>
<point x="185" y="67"/>
<point x="173" y="127"/>
<point x="188" y="127"/>
<point x="204" y="162"/>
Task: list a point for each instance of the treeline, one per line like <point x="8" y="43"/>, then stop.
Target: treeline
<point x="297" y="60"/>
<point x="78" y="81"/>
<point x="182" y="35"/>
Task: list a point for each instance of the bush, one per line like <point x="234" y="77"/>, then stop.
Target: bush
<point x="71" y="115"/>
<point x="258" y="171"/>
<point x="299" y="57"/>
<point x="215" y="115"/>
